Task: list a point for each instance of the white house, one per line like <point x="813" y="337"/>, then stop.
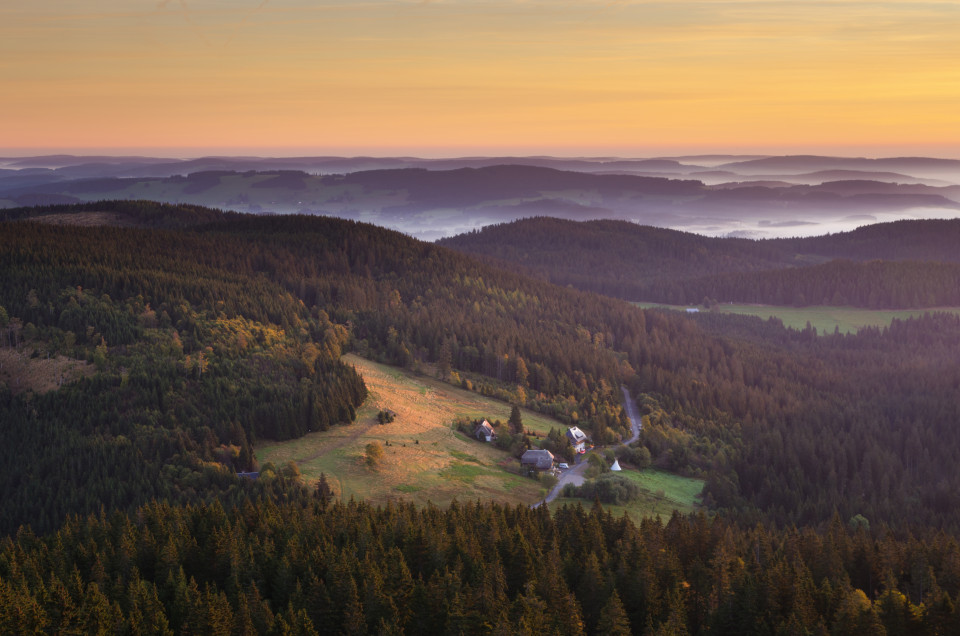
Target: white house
<point x="485" y="432"/>
<point x="578" y="439"/>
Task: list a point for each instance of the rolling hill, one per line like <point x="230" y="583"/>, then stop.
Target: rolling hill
<point x="920" y="263"/>
<point x="434" y="198"/>
<point x="827" y="463"/>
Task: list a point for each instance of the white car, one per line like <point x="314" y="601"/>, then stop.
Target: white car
<point x="563" y="465"/>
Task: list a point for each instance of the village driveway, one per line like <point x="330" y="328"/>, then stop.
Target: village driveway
<point x="574" y="475"/>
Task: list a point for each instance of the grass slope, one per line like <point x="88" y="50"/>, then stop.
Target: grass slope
<point x="444" y="464"/>
<point x="662" y="493"/>
<point x="824" y="318"/>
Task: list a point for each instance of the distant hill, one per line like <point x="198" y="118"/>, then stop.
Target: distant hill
<point x="435" y="198"/>
<point x="920" y="263"/>
<point x="812" y="163"/>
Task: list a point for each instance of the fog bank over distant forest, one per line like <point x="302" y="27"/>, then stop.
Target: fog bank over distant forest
<point x="431" y="198"/>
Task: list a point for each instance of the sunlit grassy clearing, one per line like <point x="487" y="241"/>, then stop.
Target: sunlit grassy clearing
<point x="824" y="318"/>
<point x="426" y="460"/>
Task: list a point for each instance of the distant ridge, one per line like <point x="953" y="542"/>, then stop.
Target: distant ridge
<point x="920" y="263"/>
<point x="431" y="198"/>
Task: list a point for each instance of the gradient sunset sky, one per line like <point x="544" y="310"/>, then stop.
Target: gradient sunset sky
<point x="638" y="78"/>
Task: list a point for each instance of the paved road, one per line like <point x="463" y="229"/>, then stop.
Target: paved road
<point x="575" y="475"/>
<point x="572" y="475"/>
<point x="635" y="422"/>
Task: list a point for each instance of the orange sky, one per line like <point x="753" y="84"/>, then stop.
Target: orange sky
<point x="481" y="76"/>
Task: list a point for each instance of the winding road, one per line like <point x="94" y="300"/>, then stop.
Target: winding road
<point x="634" y="416"/>
<point x="575" y="475"/>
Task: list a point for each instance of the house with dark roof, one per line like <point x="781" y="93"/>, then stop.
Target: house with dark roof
<point x="578" y="439"/>
<point x="539" y="459"/>
<point x="484" y="432"/>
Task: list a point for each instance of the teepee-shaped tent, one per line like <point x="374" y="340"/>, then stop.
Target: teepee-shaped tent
<point x="616" y="465"/>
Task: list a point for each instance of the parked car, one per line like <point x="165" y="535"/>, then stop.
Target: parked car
<point x="563" y="465"/>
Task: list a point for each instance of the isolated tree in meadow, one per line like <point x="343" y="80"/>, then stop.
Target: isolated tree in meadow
<point x="515" y="421"/>
<point x="374" y="453"/>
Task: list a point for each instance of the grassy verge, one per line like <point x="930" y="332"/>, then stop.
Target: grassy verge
<point x="661" y="494"/>
<point x="824" y="318"/>
<point x="424" y="459"/>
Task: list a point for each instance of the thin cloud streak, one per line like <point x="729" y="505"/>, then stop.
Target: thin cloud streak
<point x="396" y="73"/>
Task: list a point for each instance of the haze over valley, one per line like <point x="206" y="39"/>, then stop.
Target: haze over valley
<point x="753" y="197"/>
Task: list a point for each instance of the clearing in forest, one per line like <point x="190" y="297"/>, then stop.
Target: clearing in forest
<point x="424" y="459"/>
<point x="824" y="318"/>
<point x="22" y="369"/>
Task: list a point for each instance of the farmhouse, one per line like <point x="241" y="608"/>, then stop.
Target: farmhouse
<point x="485" y="432"/>
<point x="539" y="459"/>
<point x="578" y="439"/>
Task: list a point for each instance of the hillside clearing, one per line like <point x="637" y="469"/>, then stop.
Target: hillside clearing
<point x="424" y="459"/>
<point x="22" y="372"/>
<point x="824" y="318"/>
<point x="87" y="219"/>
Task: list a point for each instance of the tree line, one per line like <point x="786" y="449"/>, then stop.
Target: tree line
<point x="309" y="566"/>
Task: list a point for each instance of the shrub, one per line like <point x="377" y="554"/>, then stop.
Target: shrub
<point x="374" y="453"/>
<point x="639" y="457"/>
<point x="548" y="480"/>
<point x="610" y="488"/>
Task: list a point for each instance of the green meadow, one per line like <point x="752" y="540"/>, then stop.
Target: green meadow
<point x="825" y="318"/>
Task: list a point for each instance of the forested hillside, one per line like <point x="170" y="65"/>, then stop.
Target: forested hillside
<point x="210" y="337"/>
<point x="309" y="567"/>
<point x="907" y="264"/>
<point x="875" y="284"/>
<point x="207" y="338"/>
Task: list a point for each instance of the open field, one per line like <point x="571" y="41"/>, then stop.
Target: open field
<point x="663" y="493"/>
<point x="426" y="460"/>
<point x="21" y="372"/>
<point x="87" y="219"/>
<point x="824" y="318"/>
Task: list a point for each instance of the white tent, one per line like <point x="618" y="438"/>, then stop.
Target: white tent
<point x="616" y="465"/>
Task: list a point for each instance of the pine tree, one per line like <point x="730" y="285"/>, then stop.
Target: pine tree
<point x="613" y="619"/>
<point x="515" y="421"/>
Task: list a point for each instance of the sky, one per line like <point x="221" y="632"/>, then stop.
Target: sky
<point x="454" y="77"/>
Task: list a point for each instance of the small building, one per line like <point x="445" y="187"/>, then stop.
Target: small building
<point x="539" y="459"/>
<point x="485" y="432"/>
<point x="578" y="439"/>
<point x="616" y="465"/>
